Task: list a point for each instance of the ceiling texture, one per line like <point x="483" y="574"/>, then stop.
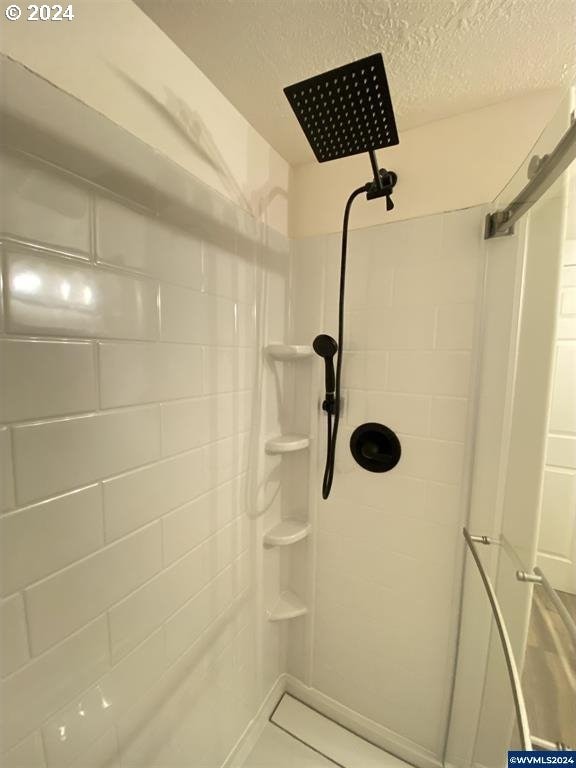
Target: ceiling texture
<point x="442" y="57"/>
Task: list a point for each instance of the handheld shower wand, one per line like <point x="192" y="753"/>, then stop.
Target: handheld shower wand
<point x="326" y="347"/>
<point x="343" y="112"/>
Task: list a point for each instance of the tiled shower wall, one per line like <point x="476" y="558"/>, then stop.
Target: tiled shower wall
<point x="130" y="633"/>
<point x="388" y="546"/>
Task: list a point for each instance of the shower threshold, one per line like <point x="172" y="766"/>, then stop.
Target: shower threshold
<point x="299" y="736"/>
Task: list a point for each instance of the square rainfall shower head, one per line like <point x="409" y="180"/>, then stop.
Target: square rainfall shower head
<point x="347" y="110"/>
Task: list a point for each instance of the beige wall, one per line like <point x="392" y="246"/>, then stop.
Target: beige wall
<point x="454" y="163"/>
<point x="113" y="58"/>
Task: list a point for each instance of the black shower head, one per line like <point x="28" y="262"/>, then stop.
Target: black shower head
<point x="347" y="110"/>
<point x="325" y="346"/>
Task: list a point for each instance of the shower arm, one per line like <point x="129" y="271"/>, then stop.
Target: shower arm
<point x="383" y="183"/>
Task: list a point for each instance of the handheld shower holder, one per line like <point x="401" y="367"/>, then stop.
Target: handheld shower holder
<point x="383" y="183"/>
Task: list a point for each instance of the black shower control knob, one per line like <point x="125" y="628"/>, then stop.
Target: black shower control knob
<point x="375" y="447"/>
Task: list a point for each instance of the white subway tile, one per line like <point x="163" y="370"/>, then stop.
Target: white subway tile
<point x="222" y="322"/>
<point x="33" y="693"/>
<point x="228" y="274"/>
<point x="41" y="379"/>
<point x="449" y="418"/>
<point x="409" y="414"/>
<point x="55" y="456"/>
<point x="187" y="624"/>
<point x="563" y="402"/>
<point x="139" y="242"/>
<point x="398" y="492"/>
<point x="307" y="286"/>
<point x="375" y="370"/>
<point x="13" y="635"/>
<point x="435" y="460"/>
<point x="443" y="503"/>
<point x="353" y="370"/>
<point x="7" y="500"/>
<point x="38" y="540"/>
<point x="227" y="459"/>
<point x="358" y="274"/>
<point x="183" y="315"/>
<point x="275" y="269"/>
<point x="102" y="753"/>
<point x="245" y="325"/>
<point x="411" y="241"/>
<point x="39" y="204"/>
<point x="188" y="526"/>
<point x="434" y="373"/>
<point x="398" y="328"/>
<point x="91" y="714"/>
<point x="229" y="370"/>
<point x="227" y="545"/>
<point x="136" y="498"/>
<point x="436" y="282"/>
<point x="27" y="754"/>
<point x="568" y="301"/>
<point x="57" y="297"/>
<point x="198" y="318"/>
<point x="561" y="451"/>
<point x="380" y="282"/>
<point x="455" y="326"/>
<point x="558" y="503"/>
<point x="566" y="327"/>
<point x="144" y="373"/>
<point x="355" y="407"/>
<point x="138" y="615"/>
<point x="190" y="423"/>
<point x="64" y="602"/>
<point x="463" y="233"/>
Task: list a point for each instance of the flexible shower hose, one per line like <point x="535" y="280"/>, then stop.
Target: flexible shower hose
<point x="334" y="419"/>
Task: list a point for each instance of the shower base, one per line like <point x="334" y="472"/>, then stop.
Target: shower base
<point x="299" y="736"/>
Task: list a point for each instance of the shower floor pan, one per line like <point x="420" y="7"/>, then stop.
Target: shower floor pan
<point x="298" y="736"/>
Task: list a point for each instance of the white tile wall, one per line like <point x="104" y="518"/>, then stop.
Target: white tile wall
<point x="128" y="365"/>
<point x="46" y="378"/>
<point x="145" y="373"/>
<point x="43" y="538"/>
<point x="14" y="641"/>
<point x="55" y="456"/>
<point x="48" y="296"/>
<point x="42" y="206"/>
<point x="386" y="551"/>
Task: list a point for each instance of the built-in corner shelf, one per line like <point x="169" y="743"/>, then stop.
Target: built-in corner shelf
<point x="287" y="532"/>
<point x="288" y="606"/>
<point x="288" y="351"/>
<point x="287" y="443"/>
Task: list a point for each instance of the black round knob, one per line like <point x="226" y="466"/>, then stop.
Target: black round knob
<point x="375" y="447"/>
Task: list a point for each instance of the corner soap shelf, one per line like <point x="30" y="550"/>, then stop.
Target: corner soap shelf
<point x="287" y="443"/>
<point x="288" y="606"/>
<point x="285" y="533"/>
<point x="288" y="351"/>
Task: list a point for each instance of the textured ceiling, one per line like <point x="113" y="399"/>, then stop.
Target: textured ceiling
<point x="443" y="57"/>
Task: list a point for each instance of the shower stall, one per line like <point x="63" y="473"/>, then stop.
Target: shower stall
<point x="174" y="586"/>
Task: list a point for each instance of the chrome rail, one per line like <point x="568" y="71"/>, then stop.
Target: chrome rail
<point x="538" y="578"/>
<point x="553" y="746"/>
<point x="517" y="695"/>
<point x="546" y="171"/>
